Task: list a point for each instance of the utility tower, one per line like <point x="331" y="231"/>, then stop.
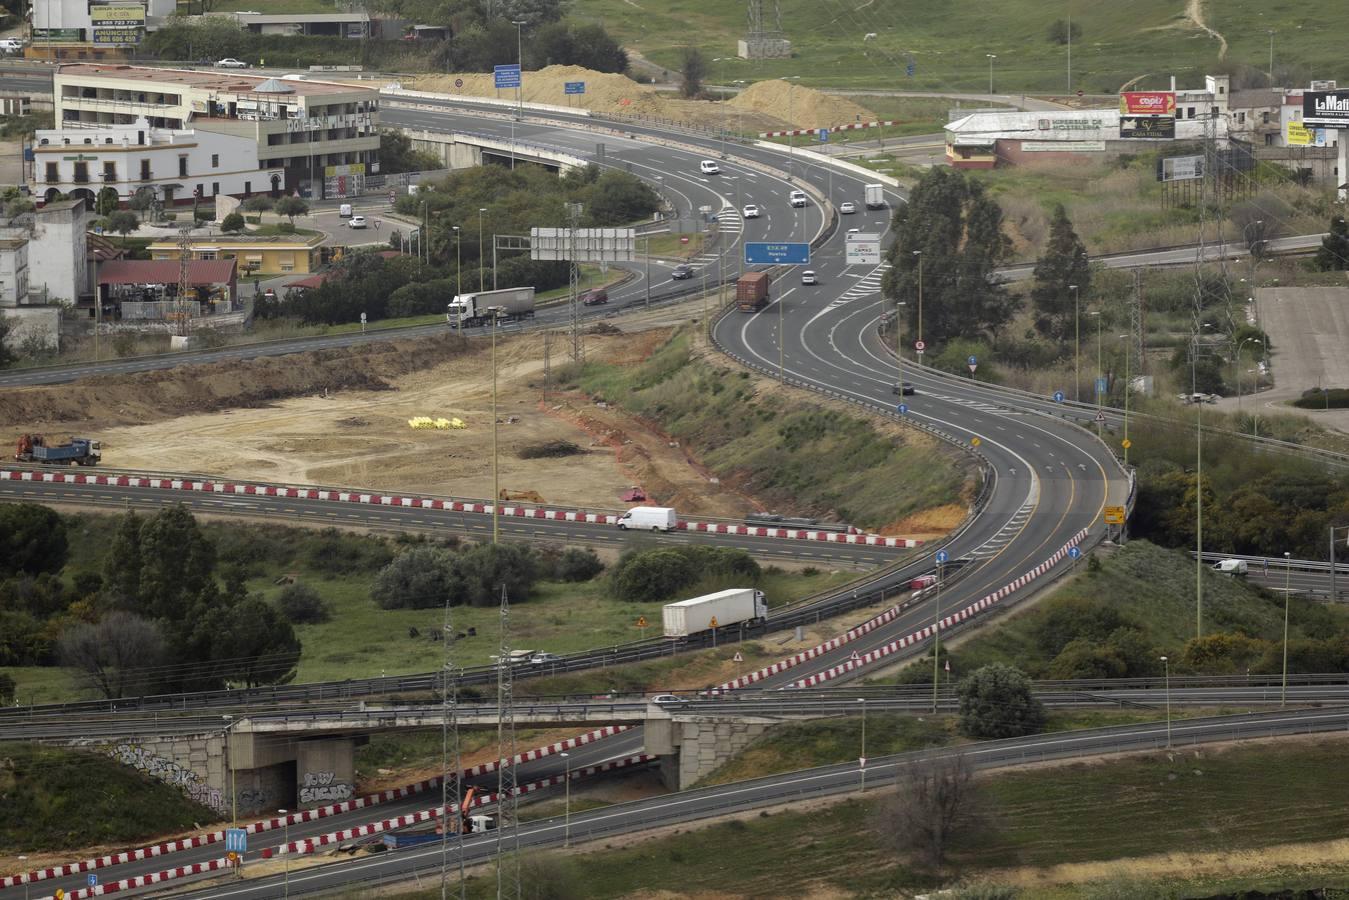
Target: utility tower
<point x="578" y="350"/>
<point x="765" y="40"/>
<point x="508" y="873"/>
<point x="182" y="325"/>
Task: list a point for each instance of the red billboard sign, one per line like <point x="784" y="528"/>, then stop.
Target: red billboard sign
<point x="1147" y="103"/>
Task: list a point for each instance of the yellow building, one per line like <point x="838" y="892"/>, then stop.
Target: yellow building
<point x="270" y="255"/>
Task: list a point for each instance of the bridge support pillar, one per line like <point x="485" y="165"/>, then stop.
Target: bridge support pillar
<point x="325" y="771"/>
<point x="692" y="747"/>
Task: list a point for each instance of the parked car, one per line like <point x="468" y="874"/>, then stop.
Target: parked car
<point x="808" y="277"/>
<point x="682" y="271"/>
<point x="847" y="207"/>
<point x="230" y="62"/>
<point x="594" y="297"/>
<point x="356" y="222"/>
<point x="751" y="211"/>
<point x="798" y="198"/>
<point x="709" y="167"/>
<point x="904" y="389"/>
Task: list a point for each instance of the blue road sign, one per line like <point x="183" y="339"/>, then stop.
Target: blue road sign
<point x="91" y="880"/>
<point x="1074" y="552"/>
<point x="574" y="87"/>
<point x="824" y="135"/>
<point x="507" y="76"/>
<point x="910" y="69"/>
<point x="1100" y="385"/>
<point x="1058" y="396"/>
<point x="236" y="840"/>
<point x="942" y="556"/>
<point x="903" y="408"/>
<point x="973" y="360"/>
<point x="763" y="253"/>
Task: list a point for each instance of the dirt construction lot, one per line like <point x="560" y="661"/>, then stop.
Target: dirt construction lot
<point x="341" y="418"/>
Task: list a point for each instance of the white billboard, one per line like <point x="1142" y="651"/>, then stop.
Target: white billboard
<point x="863" y="250"/>
<point x="588" y="245"/>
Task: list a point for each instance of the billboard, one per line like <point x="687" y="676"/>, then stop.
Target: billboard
<point x="1326" y="108"/>
<point x="1180" y="168"/>
<point x="582" y="244"/>
<point x="117" y="16"/>
<point x="1147" y="103"/>
<point x="1299" y="135"/>
<point x="118" y="35"/>
<point x="1147" y="126"/>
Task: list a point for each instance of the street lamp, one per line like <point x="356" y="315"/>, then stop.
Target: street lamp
<point x="496" y="459"/>
<point x="1128" y="388"/>
<point x="919" y="254"/>
<point x="1272" y="32"/>
<point x="285" y="841"/>
<point x="566" y="832"/>
<point x="936" y="637"/>
<point x="991" y="57"/>
<point x="480" y="272"/>
<point x="791" y="135"/>
<point x="1198" y="484"/>
<point x="862" y="760"/>
<point x="1077" y="344"/>
<point x="1100" y="373"/>
<point x="234" y="783"/>
<point x="900" y="306"/>
<point x="458" y="264"/>
<point x="1166" y="670"/>
<point x="1244" y="342"/>
<point x="1287" y="566"/>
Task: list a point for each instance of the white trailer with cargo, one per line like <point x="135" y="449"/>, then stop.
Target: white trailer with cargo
<point x="481" y="307"/>
<point x="729" y="607"/>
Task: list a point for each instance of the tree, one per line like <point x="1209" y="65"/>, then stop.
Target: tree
<point x="123" y="221"/>
<point x="421" y="578"/>
<point x="531" y="12"/>
<point x="692" y="69"/>
<point x="935" y="800"/>
<point x="107" y="201"/>
<point x="290" y="207"/>
<point x="7" y="355"/>
<point x="1063" y="264"/>
<point x="487" y="568"/>
<point x="396" y="154"/>
<point x="594" y="48"/>
<point x="176" y="565"/>
<point x="251" y="642"/>
<point x="1333" y="254"/>
<point x="302" y="605"/>
<point x="652" y="576"/>
<point x="32" y="539"/>
<point x="7" y="689"/>
<point x="996" y="702"/>
<point x="122" y="567"/>
<point x="232" y="224"/>
<point x="116" y="654"/>
<point x="956" y="231"/>
<point x="259" y="203"/>
<point x="1060" y="32"/>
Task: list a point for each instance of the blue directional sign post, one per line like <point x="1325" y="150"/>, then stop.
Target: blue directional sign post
<point x="1074" y="553"/>
<point x="1100" y="385"/>
<point x="903" y="409"/>
<point x="973" y="363"/>
<point x="506" y="76"/>
<point x="91" y="880"/>
<point x="574" y="87"/>
<point x="942" y="557"/>
<point x="236" y="840"/>
<point x="1058" y="396"/>
<point x="759" y="253"/>
<point x="824" y="135"/>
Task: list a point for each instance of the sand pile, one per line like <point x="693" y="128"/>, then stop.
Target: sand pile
<point x="802" y="106"/>
<point x="605" y="92"/>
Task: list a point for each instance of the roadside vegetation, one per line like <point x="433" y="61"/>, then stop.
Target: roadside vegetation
<point x="789" y="450"/>
<point x="1242" y="805"/>
<point x="52" y="798"/>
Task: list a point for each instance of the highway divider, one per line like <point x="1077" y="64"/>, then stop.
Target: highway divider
<point x="309" y="815"/>
<point x="208" y="486"/>
<point x="140" y="881"/>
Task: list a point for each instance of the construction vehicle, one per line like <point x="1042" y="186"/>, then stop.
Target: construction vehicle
<point x="79" y="451"/>
<point x="484" y="307"/>
<point x="528" y="496"/>
<point x="751" y="291"/>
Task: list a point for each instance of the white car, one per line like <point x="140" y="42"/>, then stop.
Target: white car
<point x="666" y="699"/>
<point x="797" y="198"/>
<point x="854" y="231"/>
<point x="808" y="277"/>
<point x="230" y="62"/>
<point x="847" y="208"/>
<point x="709" y="167"/>
<point x="356" y="222"/>
<point x="751" y="211"/>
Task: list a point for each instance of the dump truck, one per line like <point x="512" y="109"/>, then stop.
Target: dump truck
<point x="751" y="291"/>
<point x="729" y="607"/>
<point x="874" y="195"/>
<point x="79" y="451"/>
<point x="481" y="307"/>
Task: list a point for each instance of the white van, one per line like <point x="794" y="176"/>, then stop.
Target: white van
<point x="344" y="210"/>
<point x="709" y="167"/>
<point x="1232" y="567"/>
<point x="649" y="518"/>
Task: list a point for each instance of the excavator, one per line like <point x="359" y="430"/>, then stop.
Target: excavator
<point x="473" y="824"/>
<point x="527" y="496"/>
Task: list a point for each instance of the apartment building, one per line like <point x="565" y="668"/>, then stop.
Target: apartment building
<point x="185" y="133"/>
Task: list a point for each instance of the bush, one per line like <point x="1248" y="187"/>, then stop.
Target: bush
<point x="302" y="605"/>
<point x="576" y="564"/>
<point x="648" y="576"/>
<point x="232" y="224"/>
<point x="423" y="578"/>
<point x="996" y="702"/>
<point x="486" y="568"/>
<point x="332" y="551"/>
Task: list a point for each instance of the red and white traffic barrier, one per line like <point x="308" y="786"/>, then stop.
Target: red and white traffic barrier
<point x="946" y="622"/>
<point x="309" y="815"/>
<point x="851" y="126"/>
<point x="346" y="496"/>
<point x="140" y="881"/>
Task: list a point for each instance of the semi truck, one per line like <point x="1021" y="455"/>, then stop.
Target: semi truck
<point x="874" y="194"/>
<point x="729" y="607"/>
<point x="751" y="291"/>
<point x="79" y="451"/>
<point x="481" y="307"/>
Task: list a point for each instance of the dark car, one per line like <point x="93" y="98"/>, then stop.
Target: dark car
<point x="681" y="272"/>
<point x="594" y="297"/>
<point x="904" y="389"/>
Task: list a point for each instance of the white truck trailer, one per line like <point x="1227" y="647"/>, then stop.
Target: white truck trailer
<point x="480" y="307"/>
<point x="875" y="196"/>
<point x="730" y="607"/>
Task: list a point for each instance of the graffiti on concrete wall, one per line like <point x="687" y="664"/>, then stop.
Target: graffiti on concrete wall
<point x="321" y="787"/>
<point x="168" y="771"/>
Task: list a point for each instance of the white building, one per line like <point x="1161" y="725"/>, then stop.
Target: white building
<point x="13" y="271"/>
<point x="218" y="131"/>
<point x="58" y="252"/>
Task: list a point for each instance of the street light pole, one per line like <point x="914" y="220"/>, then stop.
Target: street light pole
<point x="458" y="264"/>
<point x="234" y="784"/>
<point x="1100" y="372"/>
<point x="991" y="57"/>
<point x="285" y="840"/>
<point x="1077" y="344"/>
<point x="566" y="819"/>
<point x="936" y="638"/>
<point x="496" y="462"/>
<point x="919" y="254"/>
<point x="863" y="758"/>
<point x="1166" y="669"/>
<point x="1128" y="388"/>
<point x="1287" y="566"/>
<point x="1272" y="32"/>
<point x="480" y="260"/>
<point x="900" y="306"/>
<point x="791" y="135"/>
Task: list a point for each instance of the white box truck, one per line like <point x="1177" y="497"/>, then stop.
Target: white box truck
<point x="729" y="607"/>
<point x="649" y="518"/>
<point x="479" y="308"/>
<point x="875" y="196"/>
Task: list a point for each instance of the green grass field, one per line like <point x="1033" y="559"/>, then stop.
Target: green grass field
<point x="1230" y="801"/>
<point x="949" y="44"/>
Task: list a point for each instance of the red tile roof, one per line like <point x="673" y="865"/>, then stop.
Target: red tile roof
<point x="165" y="271"/>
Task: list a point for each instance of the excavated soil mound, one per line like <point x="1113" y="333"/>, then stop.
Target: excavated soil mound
<point x="802" y="106"/>
<point x="605" y="92"/>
